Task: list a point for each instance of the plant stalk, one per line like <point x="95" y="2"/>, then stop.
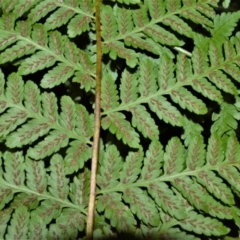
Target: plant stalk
<point x="97" y="125"/>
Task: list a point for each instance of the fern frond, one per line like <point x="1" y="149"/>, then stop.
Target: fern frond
<point x="34" y="116"/>
<point x="195" y="180"/>
<point x="163" y="172"/>
<point x="45" y="49"/>
<point x="37" y="196"/>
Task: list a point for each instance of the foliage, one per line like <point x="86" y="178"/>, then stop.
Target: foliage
<point x="170" y="155"/>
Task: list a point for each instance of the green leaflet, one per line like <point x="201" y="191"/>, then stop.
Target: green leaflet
<point x="207" y="226"/>
<point x="18" y="224"/>
<point x="113" y="207"/>
<point x="142" y="206"/>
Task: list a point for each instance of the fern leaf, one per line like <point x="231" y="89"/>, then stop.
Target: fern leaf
<point x="222" y="82"/>
<point x="79" y="189"/>
<point x="142" y="206"/>
<point x="178" y="25"/>
<point x="23" y="28"/>
<point x="148" y="76"/>
<point x="229" y="49"/>
<point x="124" y="19"/>
<point x="84" y="122"/>
<point x="232" y="149"/>
<point x="77" y="154"/>
<point x="22" y="7"/>
<point x="111" y="165"/>
<point x="74" y="55"/>
<point x="196" y="17"/>
<point x="191" y="131"/>
<point x="6" y="38"/>
<point x="199" y="59"/>
<point x="85" y="80"/>
<point x="119" y="215"/>
<point x="50" y="109"/>
<point x="117" y="124"/>
<point x="117" y="49"/>
<point x="14" y="91"/>
<point x="160" y="35"/>
<point x="39" y="34"/>
<point x="14" y="167"/>
<point x="59" y="18"/>
<point x="191" y="192"/>
<point x="131" y="168"/>
<point x="226" y="121"/>
<point x="215" y="186"/>
<point x="56" y="43"/>
<point x="183" y="66"/>
<point x="166" y="72"/>
<point x="215" y="53"/>
<point x="207" y="10"/>
<point x="174" y="157"/>
<point x="37" y="229"/>
<point x="153" y="161"/>
<point x="147" y="44"/>
<point x="186" y="100"/>
<point x="75" y="222"/>
<point x="214" y="208"/>
<point x="156" y="8"/>
<point x="207" y="89"/>
<point x="109" y="93"/>
<point x="202" y="225"/>
<point x="173" y="5"/>
<point x="128" y="88"/>
<point x="165" y="111"/>
<point x="68" y="114"/>
<point x="58" y="75"/>
<point x="142" y="120"/>
<point x="215" y="150"/>
<point x="6" y="196"/>
<point x="77" y="25"/>
<point x="18" y="227"/>
<point x="5" y="216"/>
<point x="163" y="196"/>
<point x="48" y="210"/>
<point x="230" y="174"/>
<point x="52" y="143"/>
<point x="224" y="25"/>
<point x="8" y="6"/>
<point x="36" y="176"/>
<point x="41" y="10"/>
<point x="32" y="97"/>
<point x="232" y="71"/>
<point x="196" y="153"/>
<point x="37" y="62"/>
<point x="22" y="199"/>
<point x="58" y="182"/>
<point x="28" y="133"/>
<point x="109" y="29"/>
<point x="20" y="49"/>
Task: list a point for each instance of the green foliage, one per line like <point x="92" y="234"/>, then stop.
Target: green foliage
<point x="169" y="157"/>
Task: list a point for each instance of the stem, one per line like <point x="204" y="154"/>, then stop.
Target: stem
<point x="91" y="203"/>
